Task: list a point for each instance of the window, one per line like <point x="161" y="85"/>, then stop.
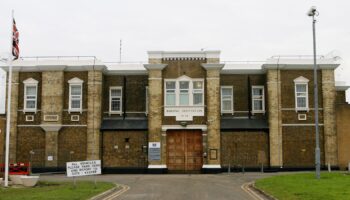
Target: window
<point x="258" y="99"/>
<point x="184" y="91"/>
<point x="115" y="100"/>
<point x="301" y="94"/>
<point x="227" y="99"/>
<point x="170" y="96"/>
<point x="198" y="93"/>
<point x="30" y="95"/>
<point x="75" y="95"/>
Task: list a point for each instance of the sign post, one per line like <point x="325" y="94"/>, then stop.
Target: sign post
<point x="83" y="168"/>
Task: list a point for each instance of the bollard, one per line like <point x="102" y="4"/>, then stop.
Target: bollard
<point x="243" y="170"/>
<point x="229" y="168"/>
<point x="349" y="167"/>
<point x="329" y="167"/>
<point x="262" y="167"/>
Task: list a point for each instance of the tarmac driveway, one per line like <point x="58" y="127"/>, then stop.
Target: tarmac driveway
<point x="182" y="187"/>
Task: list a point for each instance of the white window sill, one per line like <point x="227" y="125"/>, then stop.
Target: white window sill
<point x="227" y="112"/>
<point x="75" y="110"/>
<point x="29" y="110"/>
<point x="302" y="109"/>
<point x="115" y="113"/>
<point x="258" y="112"/>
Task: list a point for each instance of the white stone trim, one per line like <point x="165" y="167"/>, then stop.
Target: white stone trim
<point x="30" y="81"/>
<point x="51" y="118"/>
<point x="292" y="109"/>
<point x="68" y="125"/>
<point x="301" y="79"/>
<point x="75" y="80"/>
<point x="155" y="66"/>
<point x="156" y="166"/>
<point x="178" y="127"/>
<point x="56" y="64"/>
<point x="208" y="166"/>
<point x="300" y="63"/>
<point x="301" y="124"/>
<point x="51" y="127"/>
<point x="341" y="86"/>
<point x="29" y="118"/>
<point x="213" y="66"/>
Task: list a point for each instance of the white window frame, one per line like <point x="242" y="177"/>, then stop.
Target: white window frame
<point x="301" y="81"/>
<point x="232" y="100"/>
<point x="198" y="91"/>
<point x="30" y="82"/>
<point x="258" y="99"/>
<point x="120" y="111"/>
<point x="75" y="82"/>
<point x="191" y="91"/>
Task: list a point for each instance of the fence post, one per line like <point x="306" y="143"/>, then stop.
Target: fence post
<point x="30" y="161"/>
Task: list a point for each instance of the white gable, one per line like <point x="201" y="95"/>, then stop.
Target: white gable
<point x="30" y="81"/>
<point x="301" y="79"/>
<point x="75" y="81"/>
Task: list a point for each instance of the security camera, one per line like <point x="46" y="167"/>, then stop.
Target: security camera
<point x="312" y="11"/>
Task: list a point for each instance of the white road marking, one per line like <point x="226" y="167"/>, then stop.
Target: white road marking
<point x="245" y="187"/>
<point x="118" y="193"/>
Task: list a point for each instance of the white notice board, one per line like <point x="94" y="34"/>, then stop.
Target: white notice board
<point x="83" y="168"/>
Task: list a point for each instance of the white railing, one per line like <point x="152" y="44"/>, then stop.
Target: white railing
<point x="297" y="57"/>
<point x="39" y="58"/>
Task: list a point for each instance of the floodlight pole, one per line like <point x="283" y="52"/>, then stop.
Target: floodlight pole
<point x="312" y="14"/>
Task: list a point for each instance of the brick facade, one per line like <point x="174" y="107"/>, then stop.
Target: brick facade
<point x="275" y="137"/>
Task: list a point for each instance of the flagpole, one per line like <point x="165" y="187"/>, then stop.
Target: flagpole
<point x="8" y="112"/>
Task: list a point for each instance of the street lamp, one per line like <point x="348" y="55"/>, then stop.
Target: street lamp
<point x="312" y="13"/>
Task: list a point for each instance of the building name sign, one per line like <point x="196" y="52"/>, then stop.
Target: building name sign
<point x="83" y="168"/>
<point x="154" y="151"/>
<point x="184" y="113"/>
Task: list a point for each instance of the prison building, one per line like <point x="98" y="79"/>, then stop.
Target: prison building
<point x="182" y="111"/>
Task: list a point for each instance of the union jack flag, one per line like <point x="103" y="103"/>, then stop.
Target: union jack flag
<point x="15" y="41"/>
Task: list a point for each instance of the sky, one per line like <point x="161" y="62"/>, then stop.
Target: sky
<point x="242" y="29"/>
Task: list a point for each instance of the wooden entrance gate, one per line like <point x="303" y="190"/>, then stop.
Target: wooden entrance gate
<point x="184" y="150"/>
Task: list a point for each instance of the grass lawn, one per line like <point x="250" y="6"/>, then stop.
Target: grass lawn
<point x="305" y="186"/>
<point x="56" y="190"/>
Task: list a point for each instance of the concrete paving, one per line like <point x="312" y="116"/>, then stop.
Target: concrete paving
<point x="180" y="186"/>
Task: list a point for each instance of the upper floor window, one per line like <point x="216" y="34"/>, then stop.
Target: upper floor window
<point x="75" y="95"/>
<point x="30" y="95"/>
<point x="258" y="99"/>
<point x="198" y="92"/>
<point x="301" y="93"/>
<point x="184" y="91"/>
<point x="115" y="100"/>
<point x="226" y="99"/>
